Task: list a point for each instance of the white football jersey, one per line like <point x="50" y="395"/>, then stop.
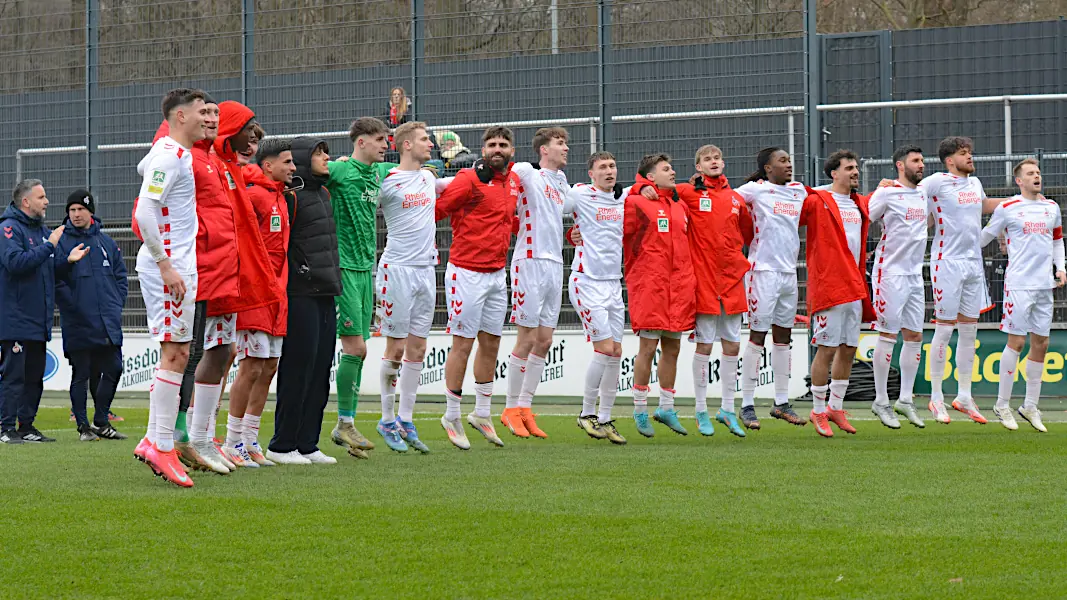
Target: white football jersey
<point x="599" y="217"/>
<point x="902" y="246"/>
<point x="956" y="205"/>
<point x="167" y="177"/>
<point x="1030" y="226"/>
<point x="853" y="222"/>
<point x="542" y="195"/>
<point x="407" y="199"/>
<point x="776" y="218"/>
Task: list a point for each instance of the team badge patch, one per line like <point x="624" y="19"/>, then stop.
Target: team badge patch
<point x="230" y="181"/>
<point x="16" y="348"/>
<point x="275" y="223"/>
<point x="705" y="205"/>
<point x="664" y="224"/>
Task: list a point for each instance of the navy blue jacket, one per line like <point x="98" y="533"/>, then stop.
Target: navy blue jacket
<point x="27" y="278"/>
<point x="92" y="292"/>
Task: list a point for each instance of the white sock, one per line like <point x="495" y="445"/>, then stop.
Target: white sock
<point x="205" y="395"/>
<point x="215" y="413"/>
<point x="516" y="374"/>
<point x="250" y="429"/>
<point x="818" y="399"/>
<point x="838" y="387"/>
<point x="640" y="398"/>
<point x="781" y="362"/>
<point x="1034" y="371"/>
<point x="728" y="378"/>
<point x="345" y="419"/>
<point x="409" y="388"/>
<point x="938" y="357"/>
<point x="387" y="380"/>
<point x="535" y="367"/>
<point x="666" y="398"/>
<point x="910" y="357"/>
<point x="483" y="399"/>
<point x="453" y="405"/>
<point x="234" y="430"/>
<point x="965" y="350"/>
<point x="1009" y="362"/>
<point x="700" y="380"/>
<point x="750" y="373"/>
<point x="609" y="388"/>
<point x="150" y="434"/>
<point x="163" y="401"/>
<point x="594" y="373"/>
<point x="883" y="355"/>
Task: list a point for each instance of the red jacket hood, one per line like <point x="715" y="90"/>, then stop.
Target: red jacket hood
<point x="232" y="118"/>
<point x="719" y="182"/>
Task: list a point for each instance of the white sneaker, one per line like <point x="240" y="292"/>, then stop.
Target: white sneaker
<point x="1033" y="416"/>
<point x="484" y="426"/>
<point x="456" y="435"/>
<point x="239" y="456"/>
<point x="885" y="415"/>
<point x="318" y="458"/>
<point x="908" y="410"/>
<point x="940" y="413"/>
<point x="287" y="458"/>
<point x="208" y="457"/>
<point x="1006" y="418"/>
<point x="217" y="450"/>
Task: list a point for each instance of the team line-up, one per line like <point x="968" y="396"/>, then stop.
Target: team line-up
<point x="261" y="251"/>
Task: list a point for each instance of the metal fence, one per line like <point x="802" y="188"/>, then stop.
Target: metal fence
<point x="82" y="81"/>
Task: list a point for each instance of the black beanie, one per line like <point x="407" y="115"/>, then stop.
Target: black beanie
<point x="82" y="197"/>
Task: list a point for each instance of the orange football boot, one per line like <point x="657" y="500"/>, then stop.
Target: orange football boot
<point x="512" y="419"/>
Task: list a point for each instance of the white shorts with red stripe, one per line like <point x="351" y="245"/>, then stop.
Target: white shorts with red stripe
<point x="599" y="304"/>
<point x="258" y="344"/>
<point x="220" y="331"/>
<point x="838" y="325"/>
<point x="406" y="299"/>
<point x="772" y="299"/>
<point x="476" y="301"/>
<point x="168" y="319"/>
<point x="899" y="303"/>
<point x="959" y="288"/>
<point x="536" y="292"/>
<point x="1027" y="311"/>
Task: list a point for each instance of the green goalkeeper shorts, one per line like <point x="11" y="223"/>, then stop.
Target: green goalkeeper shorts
<point x="355" y="307"/>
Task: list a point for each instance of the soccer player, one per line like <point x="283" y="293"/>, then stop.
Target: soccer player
<point x="661" y="286"/>
<point x="1034" y="230"/>
<point x="536" y="275"/>
<point x="354" y="187"/>
<point x="166" y="268"/>
<point x="261" y="332"/>
<point x="719" y="228"/>
<point x="480" y="204"/>
<point x="836" y="253"/>
<point x="956" y="201"/>
<point x="898" y="286"/>
<point x="596" y="290"/>
<point x="775" y="202"/>
<point x="405" y="282"/>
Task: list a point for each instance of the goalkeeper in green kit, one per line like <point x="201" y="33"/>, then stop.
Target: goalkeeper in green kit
<point x="354" y="185"/>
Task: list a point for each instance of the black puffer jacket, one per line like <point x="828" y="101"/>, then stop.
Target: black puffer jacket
<point x="314" y="264"/>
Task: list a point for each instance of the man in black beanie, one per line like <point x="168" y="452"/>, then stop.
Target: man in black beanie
<point x="90" y="297"/>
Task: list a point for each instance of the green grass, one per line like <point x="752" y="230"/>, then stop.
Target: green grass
<point x="963" y="511"/>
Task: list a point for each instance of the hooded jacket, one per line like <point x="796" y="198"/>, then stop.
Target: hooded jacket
<point x="27" y="277"/>
<point x="720" y="226"/>
<point x="660" y="281"/>
<point x="834" y="275"/>
<point x="314" y="263"/>
<point x="483" y="218"/>
<point x="92" y="293"/>
<point x="272" y="210"/>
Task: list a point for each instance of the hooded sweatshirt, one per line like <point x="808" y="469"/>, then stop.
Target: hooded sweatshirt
<point x="314" y="262"/>
<point x="272" y="210"/>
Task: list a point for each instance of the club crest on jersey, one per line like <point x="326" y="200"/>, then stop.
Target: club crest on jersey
<point x="16" y="348"/>
<point x="230" y="181"/>
<point x="664" y="224"/>
<point x="705" y="204"/>
<point x="275" y="223"/>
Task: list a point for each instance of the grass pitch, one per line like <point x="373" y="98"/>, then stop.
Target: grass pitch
<point x="957" y="511"/>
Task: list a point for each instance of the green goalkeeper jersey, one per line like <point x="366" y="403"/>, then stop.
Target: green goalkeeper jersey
<point x="354" y="189"/>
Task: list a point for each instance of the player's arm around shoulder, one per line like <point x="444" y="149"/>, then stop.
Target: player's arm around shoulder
<point x="995" y="227"/>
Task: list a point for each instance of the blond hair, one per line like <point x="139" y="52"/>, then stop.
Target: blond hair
<point x="705" y="150"/>
<point x="406" y="132"/>
<point x="1022" y="163"/>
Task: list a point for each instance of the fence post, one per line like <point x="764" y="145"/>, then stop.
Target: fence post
<point x="418" y="18"/>
<point x="811" y="91"/>
<point x="1007" y="141"/>
<point x="92" y="42"/>
<point x="248" y="41"/>
<point x="1040" y="154"/>
<point x="603" y="35"/>
<point x="885" y="61"/>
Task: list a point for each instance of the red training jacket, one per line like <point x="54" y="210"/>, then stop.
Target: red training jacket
<point x="834" y="276"/>
<point x="720" y="226"/>
<point x="482" y="217"/>
<point x="660" y="280"/>
<point x="272" y="210"/>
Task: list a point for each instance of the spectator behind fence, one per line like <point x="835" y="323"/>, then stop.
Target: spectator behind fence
<point x="399" y="108"/>
<point x="454" y="154"/>
<point x="90" y="300"/>
<point x="28" y="267"/>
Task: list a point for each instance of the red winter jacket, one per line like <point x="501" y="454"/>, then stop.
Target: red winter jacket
<point x="834" y="276"/>
<point x="482" y="218"/>
<point x="257" y="285"/>
<point x="720" y="226"/>
<point x="272" y="210"/>
<point x="659" y="273"/>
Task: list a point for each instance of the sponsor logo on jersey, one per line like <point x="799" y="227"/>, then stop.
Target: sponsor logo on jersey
<point x="851" y="217"/>
<point x="705" y="204"/>
<point x="553" y="195"/>
<point x="608" y="214"/>
<point x="275" y="223"/>
<point x="786" y="208"/>
<point x="969" y="197"/>
<point x="416" y="199"/>
<point x="1038" y="227"/>
<point x="158" y="177"/>
<point x="664" y="224"/>
<point x="915" y="214"/>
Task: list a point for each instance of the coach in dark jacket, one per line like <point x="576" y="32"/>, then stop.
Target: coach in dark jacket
<point x="90" y="299"/>
<point x="28" y="267"/>
<point x="314" y="281"/>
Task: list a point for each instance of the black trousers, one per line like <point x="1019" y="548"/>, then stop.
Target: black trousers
<point x="21" y="382"/>
<point x="304" y="374"/>
<point x="104" y="364"/>
<point x="196" y="352"/>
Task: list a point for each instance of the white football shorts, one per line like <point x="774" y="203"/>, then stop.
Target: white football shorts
<point x="838" y="325"/>
<point x="168" y="319"/>
<point x="220" y="331"/>
<point x="476" y="301"/>
<point x="1027" y="311"/>
<point x="959" y="288"/>
<point x="258" y="344"/>
<point x="899" y="303"/>
<point x="406" y="299"/>
<point x="536" y="292"/>
<point x="772" y="299"/>
<point x="600" y="306"/>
